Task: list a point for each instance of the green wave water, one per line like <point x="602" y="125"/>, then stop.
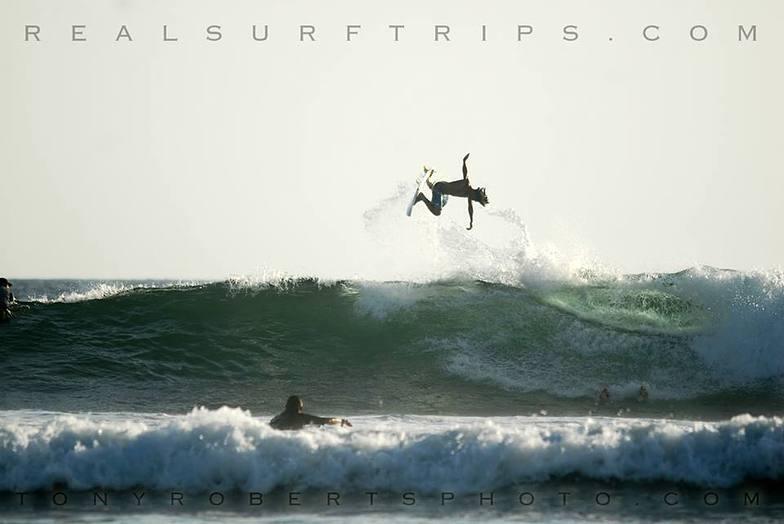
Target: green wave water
<point x="447" y="347"/>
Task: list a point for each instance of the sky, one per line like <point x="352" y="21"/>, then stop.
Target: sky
<point x="203" y="159"/>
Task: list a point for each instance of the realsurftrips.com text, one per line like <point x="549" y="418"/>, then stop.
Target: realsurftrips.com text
<point x="394" y="33"/>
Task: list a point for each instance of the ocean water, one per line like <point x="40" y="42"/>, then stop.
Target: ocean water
<point x="454" y="386"/>
<point x="473" y="382"/>
<point x="706" y="344"/>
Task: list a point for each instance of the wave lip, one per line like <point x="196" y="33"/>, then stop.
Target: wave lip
<point x="70" y="292"/>
<point x="229" y="449"/>
<point x="96" y="292"/>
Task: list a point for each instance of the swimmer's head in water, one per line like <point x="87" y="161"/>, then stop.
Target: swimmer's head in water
<point x="294" y="404"/>
<point x="480" y="196"/>
<point x="4" y="282"/>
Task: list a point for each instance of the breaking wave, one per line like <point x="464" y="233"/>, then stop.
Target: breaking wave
<point x="229" y="449"/>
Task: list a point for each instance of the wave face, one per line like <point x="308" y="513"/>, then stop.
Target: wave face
<point x="228" y="449"/>
<point x="705" y="342"/>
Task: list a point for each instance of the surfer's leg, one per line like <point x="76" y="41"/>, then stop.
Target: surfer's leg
<point x="433" y="209"/>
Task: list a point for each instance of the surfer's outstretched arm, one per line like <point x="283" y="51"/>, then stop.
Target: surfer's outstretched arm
<point x="332" y="421"/>
<point x="470" y="213"/>
<point x="465" y="168"/>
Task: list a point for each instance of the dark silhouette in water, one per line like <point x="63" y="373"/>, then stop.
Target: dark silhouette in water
<point x="604" y="395"/>
<point x="642" y="396"/>
<point x="6" y="299"/>
<point x="458" y="188"/>
<point x="293" y="417"/>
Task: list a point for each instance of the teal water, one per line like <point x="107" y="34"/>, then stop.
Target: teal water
<point x="700" y="347"/>
<point x="455" y="384"/>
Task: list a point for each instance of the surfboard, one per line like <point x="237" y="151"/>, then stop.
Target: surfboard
<point x="419" y="181"/>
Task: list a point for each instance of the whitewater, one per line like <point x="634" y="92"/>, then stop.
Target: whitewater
<point x="230" y="449"/>
<point x="468" y="362"/>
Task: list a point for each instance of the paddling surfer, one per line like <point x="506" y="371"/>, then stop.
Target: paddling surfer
<point x="293" y="417"/>
<point x="458" y="188"/>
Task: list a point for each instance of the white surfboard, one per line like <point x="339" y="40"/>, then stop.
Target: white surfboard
<point x="420" y="180"/>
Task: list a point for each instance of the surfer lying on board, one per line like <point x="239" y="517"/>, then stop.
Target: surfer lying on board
<point x="458" y="188"/>
<point x="293" y="417"/>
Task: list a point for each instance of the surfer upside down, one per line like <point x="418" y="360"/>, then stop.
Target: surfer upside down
<point x="458" y="188"/>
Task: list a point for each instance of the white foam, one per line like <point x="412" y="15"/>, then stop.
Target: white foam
<point x="98" y="291"/>
<point x="748" y="340"/>
<point x="229" y="449"/>
<point x="267" y="278"/>
<point x="380" y="299"/>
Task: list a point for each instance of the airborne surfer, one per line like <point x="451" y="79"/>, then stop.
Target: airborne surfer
<point x="458" y="188"/>
<point x="293" y="417"/>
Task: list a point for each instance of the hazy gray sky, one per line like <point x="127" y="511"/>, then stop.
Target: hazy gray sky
<point x="203" y="159"/>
